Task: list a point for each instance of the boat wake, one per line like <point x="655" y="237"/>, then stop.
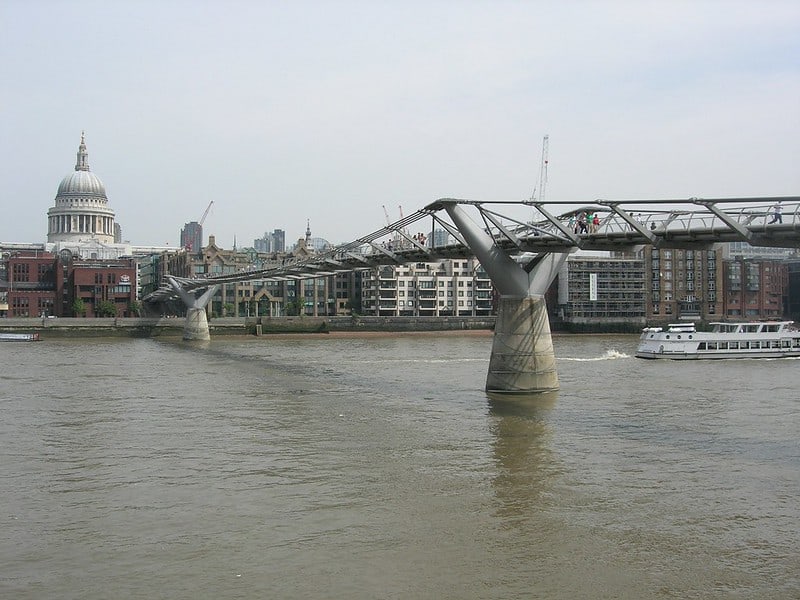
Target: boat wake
<point x="610" y="354"/>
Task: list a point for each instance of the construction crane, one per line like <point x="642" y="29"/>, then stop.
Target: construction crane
<point x="386" y="213"/>
<point x="205" y="214"/>
<point x="542" y="185"/>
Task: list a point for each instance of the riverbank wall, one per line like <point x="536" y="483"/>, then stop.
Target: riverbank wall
<point x="156" y="327"/>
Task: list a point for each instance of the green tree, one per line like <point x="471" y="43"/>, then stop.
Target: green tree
<point x="228" y="309"/>
<point x="135" y="308"/>
<point x="78" y="307"/>
<point x="105" y="308"/>
<point x="294" y="308"/>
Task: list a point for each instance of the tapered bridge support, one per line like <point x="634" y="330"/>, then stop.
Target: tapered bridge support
<point x="195" y="328"/>
<point x="523" y="360"/>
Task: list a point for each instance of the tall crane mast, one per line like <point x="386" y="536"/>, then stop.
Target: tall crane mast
<point x="542" y="186"/>
<point x="205" y="214"/>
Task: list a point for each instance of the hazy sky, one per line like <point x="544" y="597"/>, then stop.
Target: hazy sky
<point x="284" y="111"/>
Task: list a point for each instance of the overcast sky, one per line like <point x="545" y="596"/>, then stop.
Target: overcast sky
<point x="283" y="112"/>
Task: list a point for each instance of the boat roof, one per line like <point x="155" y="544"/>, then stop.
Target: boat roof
<point x="751" y="322"/>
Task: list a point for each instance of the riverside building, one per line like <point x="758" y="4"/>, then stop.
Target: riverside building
<point x="599" y="289"/>
<point x="452" y="287"/>
<point x="684" y="284"/>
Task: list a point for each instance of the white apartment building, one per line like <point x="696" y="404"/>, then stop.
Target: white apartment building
<point x="451" y="287"/>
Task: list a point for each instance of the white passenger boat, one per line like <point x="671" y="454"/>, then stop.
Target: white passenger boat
<point x="19" y="337"/>
<point x="768" y="339"/>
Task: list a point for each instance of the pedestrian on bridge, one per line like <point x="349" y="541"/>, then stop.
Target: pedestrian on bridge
<point x="582" y="223"/>
<point x="777" y="217"/>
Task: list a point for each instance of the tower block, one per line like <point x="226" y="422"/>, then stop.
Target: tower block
<point x="523" y="360"/>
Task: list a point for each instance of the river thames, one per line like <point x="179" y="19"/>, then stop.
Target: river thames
<point x="375" y="467"/>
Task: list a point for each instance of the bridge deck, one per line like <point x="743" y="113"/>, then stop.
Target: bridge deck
<point x="531" y="228"/>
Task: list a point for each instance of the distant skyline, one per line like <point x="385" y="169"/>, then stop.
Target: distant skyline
<point x="283" y="113"/>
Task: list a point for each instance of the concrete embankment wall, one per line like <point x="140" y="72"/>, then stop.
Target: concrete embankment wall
<point x="154" y="327"/>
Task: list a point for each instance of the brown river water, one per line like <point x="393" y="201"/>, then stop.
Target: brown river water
<point x="376" y="467"/>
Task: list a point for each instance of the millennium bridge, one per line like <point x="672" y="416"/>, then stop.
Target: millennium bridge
<point x="521" y="245"/>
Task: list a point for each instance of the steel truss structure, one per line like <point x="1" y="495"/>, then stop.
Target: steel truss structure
<point x="527" y="230"/>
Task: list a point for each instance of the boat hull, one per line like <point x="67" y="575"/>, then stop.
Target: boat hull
<point x="713" y="356"/>
<point x="681" y="341"/>
<point x="19" y="337"/>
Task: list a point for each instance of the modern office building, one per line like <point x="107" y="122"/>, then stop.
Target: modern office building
<point x="192" y="237"/>
<point x="271" y="242"/>
<point x="600" y="289"/>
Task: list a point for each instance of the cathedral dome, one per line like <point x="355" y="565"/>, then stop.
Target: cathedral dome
<point x="81" y="183"/>
<point x="81" y="212"/>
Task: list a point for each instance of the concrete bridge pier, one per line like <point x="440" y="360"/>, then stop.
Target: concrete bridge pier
<point x="196" y="325"/>
<point x="195" y="328"/>
<point x="523" y="360"/>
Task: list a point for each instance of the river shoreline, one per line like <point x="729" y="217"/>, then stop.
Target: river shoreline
<point x="68" y="327"/>
<point x="171" y="326"/>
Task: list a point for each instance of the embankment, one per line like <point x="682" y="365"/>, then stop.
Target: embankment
<point x="155" y="327"/>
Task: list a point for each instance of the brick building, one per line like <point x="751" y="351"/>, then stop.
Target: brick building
<point x="99" y="287"/>
<point x="31" y="284"/>
<point x="43" y="284"/>
<point x="755" y="288"/>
